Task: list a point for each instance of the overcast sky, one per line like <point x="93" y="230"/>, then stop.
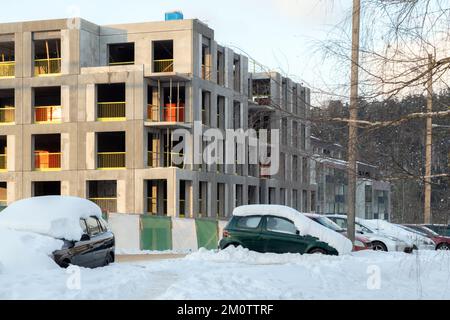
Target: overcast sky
<point x="280" y="34"/>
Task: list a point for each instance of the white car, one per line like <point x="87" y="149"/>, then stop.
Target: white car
<point x="419" y="241"/>
<point x="379" y="240"/>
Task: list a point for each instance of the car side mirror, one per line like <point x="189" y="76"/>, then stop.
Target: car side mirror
<point x="85" y="237"/>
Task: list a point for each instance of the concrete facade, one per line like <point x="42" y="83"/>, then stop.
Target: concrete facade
<point x="199" y="68"/>
<point x="373" y="196"/>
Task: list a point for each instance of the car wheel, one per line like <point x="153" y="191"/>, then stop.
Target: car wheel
<point x="65" y="263"/>
<point x="443" y="246"/>
<point x="235" y="245"/>
<point x="379" y="246"/>
<point x="317" y="251"/>
<point x="109" y="260"/>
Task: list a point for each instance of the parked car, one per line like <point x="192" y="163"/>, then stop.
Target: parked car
<point x="441" y="229"/>
<point x="76" y="223"/>
<point x="419" y="241"/>
<point x="95" y="248"/>
<point x="380" y="242"/>
<point x="361" y="243"/>
<point x="442" y="243"/>
<point x="280" y="229"/>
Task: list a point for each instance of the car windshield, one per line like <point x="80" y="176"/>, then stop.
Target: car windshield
<point x="328" y="223"/>
<point x="414" y="231"/>
<point x="423" y="229"/>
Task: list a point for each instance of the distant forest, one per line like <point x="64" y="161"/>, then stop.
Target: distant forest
<point x="398" y="150"/>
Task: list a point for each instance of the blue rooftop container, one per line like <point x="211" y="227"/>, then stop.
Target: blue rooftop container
<point x="175" y="15"/>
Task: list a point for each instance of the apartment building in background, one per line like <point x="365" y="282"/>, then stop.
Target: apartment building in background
<point x="373" y="195"/>
<point x="90" y="111"/>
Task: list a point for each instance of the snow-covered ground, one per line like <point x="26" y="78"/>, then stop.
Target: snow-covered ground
<point x="240" y="274"/>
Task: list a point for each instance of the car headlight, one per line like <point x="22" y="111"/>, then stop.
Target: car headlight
<point x="429" y="242"/>
<point x="359" y="243"/>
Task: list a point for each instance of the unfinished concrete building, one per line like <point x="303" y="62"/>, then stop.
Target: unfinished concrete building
<point x="89" y="111"/>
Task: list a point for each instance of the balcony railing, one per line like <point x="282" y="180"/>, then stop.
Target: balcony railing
<point x="2" y="162"/>
<point x="47" y="161"/>
<point x="48" y="114"/>
<point x="111" y="160"/>
<point x="7" y="115"/>
<point x="7" y="69"/>
<point x="152" y="206"/>
<point x="111" y="111"/>
<point x="165" y="65"/>
<point x="47" y="66"/>
<point x="106" y="204"/>
<point x="154" y="160"/>
<point x="121" y="63"/>
<point x="206" y="72"/>
<point x="170" y="113"/>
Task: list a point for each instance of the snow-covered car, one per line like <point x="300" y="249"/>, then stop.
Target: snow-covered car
<point x="361" y="242"/>
<point x="280" y="229"/>
<point x="417" y="240"/>
<point x="74" y="226"/>
<point x="380" y="241"/>
<point x="442" y="243"/>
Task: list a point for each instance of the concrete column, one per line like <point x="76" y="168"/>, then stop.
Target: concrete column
<point x="18" y="52"/>
<point x="65" y="188"/>
<point x="28" y="54"/>
<point x="11" y="192"/>
<point x="65" y="52"/>
<point x="173" y="196"/>
<point x="65" y="151"/>
<point x="27" y="107"/>
<point x="91" y="151"/>
<point x="121" y="196"/>
<point x="65" y="103"/>
<point x="91" y="102"/>
<point x="11" y="153"/>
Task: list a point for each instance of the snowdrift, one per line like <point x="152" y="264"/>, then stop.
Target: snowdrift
<point x="305" y="225"/>
<point x="25" y="252"/>
<point x="53" y="216"/>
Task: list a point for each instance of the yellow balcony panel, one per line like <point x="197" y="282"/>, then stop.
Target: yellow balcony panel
<point x="111" y="111"/>
<point x="7" y="69"/>
<point x="165" y="65"/>
<point x="3" y="162"/>
<point x="7" y="115"/>
<point x="106" y="204"/>
<point x="111" y="160"/>
<point x="48" y="114"/>
<point x="43" y="67"/>
<point x="47" y="161"/>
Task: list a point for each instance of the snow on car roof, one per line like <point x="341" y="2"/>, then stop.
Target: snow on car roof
<point x="305" y="225"/>
<point x="54" y="216"/>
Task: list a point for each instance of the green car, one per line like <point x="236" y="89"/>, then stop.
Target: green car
<point x="265" y="233"/>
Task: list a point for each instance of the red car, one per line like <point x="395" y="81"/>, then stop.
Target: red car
<point x="361" y="243"/>
<point x="442" y="243"/>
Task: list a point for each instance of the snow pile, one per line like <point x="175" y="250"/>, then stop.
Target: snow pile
<point x="25" y="252"/>
<point x="391" y="229"/>
<point x="305" y="225"/>
<point x="54" y="216"/>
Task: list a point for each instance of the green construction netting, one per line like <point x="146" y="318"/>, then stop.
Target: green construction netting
<point x="156" y="233"/>
<point x="207" y="233"/>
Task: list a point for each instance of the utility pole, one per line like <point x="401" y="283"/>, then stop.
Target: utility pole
<point x="428" y="143"/>
<point x="353" y="129"/>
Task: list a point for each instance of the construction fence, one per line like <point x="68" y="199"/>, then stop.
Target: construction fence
<point x="156" y="233"/>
